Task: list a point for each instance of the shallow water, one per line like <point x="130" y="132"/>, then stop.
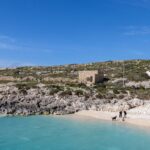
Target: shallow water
<point x="63" y="133"/>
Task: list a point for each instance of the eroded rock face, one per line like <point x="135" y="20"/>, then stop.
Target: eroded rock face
<point x="144" y="84"/>
<point x="144" y="109"/>
<point x="135" y="102"/>
<point x="39" y="101"/>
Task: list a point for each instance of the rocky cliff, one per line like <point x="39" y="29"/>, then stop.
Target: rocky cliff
<point x="55" y="89"/>
<point x="39" y="100"/>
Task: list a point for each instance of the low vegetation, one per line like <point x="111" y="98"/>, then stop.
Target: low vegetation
<point x="64" y="79"/>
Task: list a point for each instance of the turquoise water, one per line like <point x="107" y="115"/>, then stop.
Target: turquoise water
<point x="60" y="133"/>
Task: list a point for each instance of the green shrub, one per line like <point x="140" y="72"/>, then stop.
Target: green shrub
<point x="26" y="86"/>
<point x="100" y="96"/>
<point x="23" y="91"/>
<point x="115" y="91"/>
<point x="53" y="91"/>
<point x="77" y="85"/>
<point x="59" y="88"/>
<point x="79" y="93"/>
<point x="66" y="93"/>
<point x="87" y="96"/>
<point x="121" y="96"/>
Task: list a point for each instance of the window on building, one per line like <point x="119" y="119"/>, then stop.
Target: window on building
<point x="89" y="79"/>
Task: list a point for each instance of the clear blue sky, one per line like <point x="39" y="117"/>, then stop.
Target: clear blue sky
<point x="52" y="32"/>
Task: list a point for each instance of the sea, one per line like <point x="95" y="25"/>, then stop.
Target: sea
<point x="69" y="133"/>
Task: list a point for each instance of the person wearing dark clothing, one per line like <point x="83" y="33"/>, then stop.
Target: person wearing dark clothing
<point x="125" y="114"/>
<point x="120" y="114"/>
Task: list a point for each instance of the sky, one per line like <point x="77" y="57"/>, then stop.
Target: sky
<point x="55" y="32"/>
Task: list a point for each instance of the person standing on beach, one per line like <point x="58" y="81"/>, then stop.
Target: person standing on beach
<point x="125" y="114"/>
<point x="120" y="114"/>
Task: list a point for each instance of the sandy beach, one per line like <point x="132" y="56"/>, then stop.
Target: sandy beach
<point x="134" y="119"/>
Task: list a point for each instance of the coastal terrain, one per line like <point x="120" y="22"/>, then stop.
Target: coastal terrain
<point x="56" y="90"/>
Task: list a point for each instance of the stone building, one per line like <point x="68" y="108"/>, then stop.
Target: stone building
<point x="90" y="77"/>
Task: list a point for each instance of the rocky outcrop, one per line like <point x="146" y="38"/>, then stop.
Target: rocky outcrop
<point x="14" y="101"/>
<point x="144" y="109"/>
<point x="144" y="84"/>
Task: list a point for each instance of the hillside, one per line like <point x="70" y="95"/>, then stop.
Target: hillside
<point x="134" y="70"/>
<point x="134" y="74"/>
<point x="58" y="88"/>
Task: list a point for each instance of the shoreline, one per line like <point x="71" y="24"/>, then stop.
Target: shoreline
<point x="2" y="115"/>
<point x="132" y="119"/>
<point x="139" y="120"/>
